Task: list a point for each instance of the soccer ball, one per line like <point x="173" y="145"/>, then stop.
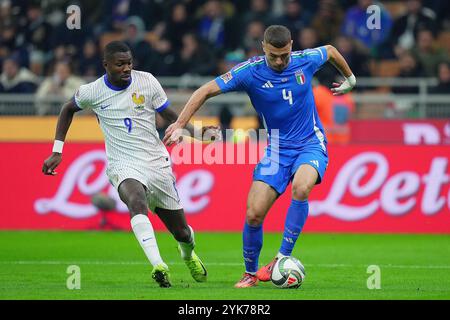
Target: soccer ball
<point x="288" y="272"/>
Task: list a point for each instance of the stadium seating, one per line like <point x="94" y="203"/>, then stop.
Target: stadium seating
<point x="110" y="36"/>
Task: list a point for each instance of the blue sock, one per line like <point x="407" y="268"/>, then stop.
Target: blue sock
<point x="295" y="220"/>
<point x="253" y="240"/>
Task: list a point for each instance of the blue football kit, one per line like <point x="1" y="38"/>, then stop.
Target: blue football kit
<point x="285" y="103"/>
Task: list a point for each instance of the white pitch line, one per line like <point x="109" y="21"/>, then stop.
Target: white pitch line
<point x="229" y="264"/>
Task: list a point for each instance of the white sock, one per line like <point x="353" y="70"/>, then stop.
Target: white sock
<point x="187" y="247"/>
<point x="143" y="230"/>
<point x="280" y="255"/>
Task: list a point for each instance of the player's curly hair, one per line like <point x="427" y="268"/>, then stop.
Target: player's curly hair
<point x="277" y="36"/>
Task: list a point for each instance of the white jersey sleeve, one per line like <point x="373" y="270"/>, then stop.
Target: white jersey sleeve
<point x="159" y="97"/>
<point x="84" y="97"/>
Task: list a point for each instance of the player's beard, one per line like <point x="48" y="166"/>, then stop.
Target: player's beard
<point x="125" y="76"/>
<point x="278" y="68"/>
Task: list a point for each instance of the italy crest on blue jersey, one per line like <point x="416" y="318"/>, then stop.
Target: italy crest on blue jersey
<point x="300" y="76"/>
<point x="284" y="100"/>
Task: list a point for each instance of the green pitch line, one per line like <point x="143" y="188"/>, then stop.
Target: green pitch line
<point x="33" y="265"/>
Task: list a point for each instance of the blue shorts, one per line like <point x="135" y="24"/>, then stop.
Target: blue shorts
<point x="278" y="167"/>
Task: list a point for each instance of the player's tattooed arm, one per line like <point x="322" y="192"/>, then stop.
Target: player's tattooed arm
<point x="64" y="121"/>
<point x="338" y="61"/>
<point x="198" y="98"/>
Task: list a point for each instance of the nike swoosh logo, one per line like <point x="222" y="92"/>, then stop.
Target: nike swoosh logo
<point x="104" y="107"/>
<point x="143" y="240"/>
<point x="204" y="269"/>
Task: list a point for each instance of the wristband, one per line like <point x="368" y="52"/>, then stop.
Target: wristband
<point x="58" y="146"/>
<point x="351" y="80"/>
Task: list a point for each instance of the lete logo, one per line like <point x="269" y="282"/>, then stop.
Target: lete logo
<point x="193" y="189"/>
<point x="425" y="133"/>
<point x="397" y="193"/>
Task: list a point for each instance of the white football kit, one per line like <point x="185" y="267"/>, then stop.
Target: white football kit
<point x="133" y="148"/>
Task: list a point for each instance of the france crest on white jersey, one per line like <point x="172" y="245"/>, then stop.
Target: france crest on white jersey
<point x="127" y="119"/>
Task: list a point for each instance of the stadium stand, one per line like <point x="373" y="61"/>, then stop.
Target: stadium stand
<point x="165" y="26"/>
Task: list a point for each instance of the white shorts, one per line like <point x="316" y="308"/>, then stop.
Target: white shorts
<point x="159" y="182"/>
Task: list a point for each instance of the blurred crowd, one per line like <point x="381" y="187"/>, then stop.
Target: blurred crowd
<point x="208" y="37"/>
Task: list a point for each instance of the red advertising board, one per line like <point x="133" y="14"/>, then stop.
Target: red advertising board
<point x="408" y="132"/>
<point x="367" y="188"/>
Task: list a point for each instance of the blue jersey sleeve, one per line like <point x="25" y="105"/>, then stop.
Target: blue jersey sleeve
<point x="237" y="79"/>
<point x="318" y="56"/>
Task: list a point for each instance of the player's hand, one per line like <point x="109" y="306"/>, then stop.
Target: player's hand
<point x="343" y="86"/>
<point x="173" y="134"/>
<point x="211" y="134"/>
<point x="51" y="163"/>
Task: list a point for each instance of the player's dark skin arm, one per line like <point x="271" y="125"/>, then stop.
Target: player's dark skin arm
<point x="64" y="121"/>
<point x="118" y="67"/>
<point x="198" y="98"/>
<point x="171" y="117"/>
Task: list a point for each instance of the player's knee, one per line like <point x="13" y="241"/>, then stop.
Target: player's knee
<point x="254" y="217"/>
<point x="301" y="191"/>
<point x="137" y="205"/>
<point x="182" y="234"/>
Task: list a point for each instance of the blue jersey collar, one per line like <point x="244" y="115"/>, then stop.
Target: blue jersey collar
<point x="113" y="87"/>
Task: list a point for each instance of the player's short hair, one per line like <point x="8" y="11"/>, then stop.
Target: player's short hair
<point x="114" y="47"/>
<point x="277" y="36"/>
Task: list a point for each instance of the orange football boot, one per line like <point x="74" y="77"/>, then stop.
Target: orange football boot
<point x="248" y="280"/>
<point x="265" y="272"/>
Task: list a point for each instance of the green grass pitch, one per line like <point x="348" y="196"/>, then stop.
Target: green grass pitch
<point x="33" y="265"/>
